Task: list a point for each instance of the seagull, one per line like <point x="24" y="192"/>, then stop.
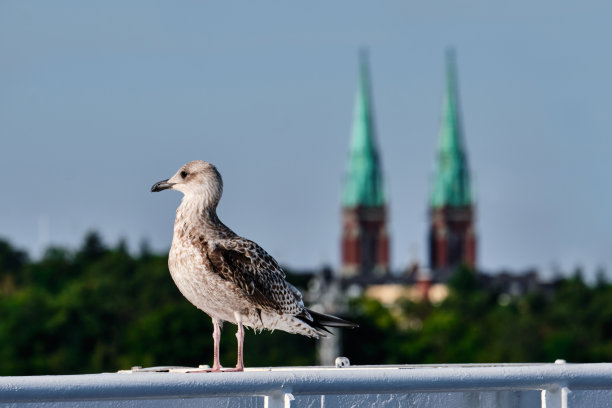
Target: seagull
<point x="230" y="278"/>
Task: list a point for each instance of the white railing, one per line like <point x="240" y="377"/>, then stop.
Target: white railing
<point x="487" y="385"/>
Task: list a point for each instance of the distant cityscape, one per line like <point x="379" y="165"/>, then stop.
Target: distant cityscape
<point x="365" y="242"/>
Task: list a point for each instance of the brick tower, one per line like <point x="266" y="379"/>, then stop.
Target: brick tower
<point x="452" y="240"/>
<point x="365" y="242"/>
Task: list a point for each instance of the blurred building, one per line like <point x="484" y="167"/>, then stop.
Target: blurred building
<point x="365" y="241"/>
<point x="452" y="240"/>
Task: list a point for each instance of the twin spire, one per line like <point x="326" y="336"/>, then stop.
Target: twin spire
<point x="364" y="183"/>
<point x="365" y="239"/>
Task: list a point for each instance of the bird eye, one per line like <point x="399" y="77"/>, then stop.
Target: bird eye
<point x="183" y="174"/>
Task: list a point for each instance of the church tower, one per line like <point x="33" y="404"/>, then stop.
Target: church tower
<point x="365" y="242"/>
<point x="452" y="240"/>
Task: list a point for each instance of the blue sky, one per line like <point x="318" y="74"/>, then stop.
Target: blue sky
<point x="99" y="100"/>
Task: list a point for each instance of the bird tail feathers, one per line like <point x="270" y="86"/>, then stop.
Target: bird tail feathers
<point x="319" y="321"/>
<point x="331" y="321"/>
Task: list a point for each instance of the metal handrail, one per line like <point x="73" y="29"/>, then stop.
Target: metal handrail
<point x="307" y="381"/>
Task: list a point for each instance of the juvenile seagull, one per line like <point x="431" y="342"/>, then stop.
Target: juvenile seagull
<point x="229" y="277"/>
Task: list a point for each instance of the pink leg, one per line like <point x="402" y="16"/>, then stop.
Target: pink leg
<point x="240" y="337"/>
<point x="217" y="338"/>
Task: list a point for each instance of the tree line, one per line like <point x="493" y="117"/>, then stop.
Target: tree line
<point x="100" y="309"/>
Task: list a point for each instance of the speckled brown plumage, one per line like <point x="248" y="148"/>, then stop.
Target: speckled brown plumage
<point x="229" y="277"/>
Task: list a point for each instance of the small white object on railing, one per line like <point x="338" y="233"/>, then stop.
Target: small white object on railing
<point x="342" y="362"/>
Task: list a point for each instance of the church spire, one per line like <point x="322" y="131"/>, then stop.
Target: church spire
<point x="364" y="184"/>
<point x="452" y="239"/>
<point x="365" y="242"/>
<point x="452" y="180"/>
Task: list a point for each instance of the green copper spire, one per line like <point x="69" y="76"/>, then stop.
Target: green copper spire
<point x="364" y="185"/>
<point x="452" y="180"/>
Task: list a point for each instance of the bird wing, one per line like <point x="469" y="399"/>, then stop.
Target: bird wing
<point x="254" y="271"/>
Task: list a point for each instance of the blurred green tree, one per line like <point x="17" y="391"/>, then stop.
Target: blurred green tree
<point x="102" y="309"/>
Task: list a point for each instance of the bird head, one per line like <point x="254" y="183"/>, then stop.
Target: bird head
<point x="195" y="179"/>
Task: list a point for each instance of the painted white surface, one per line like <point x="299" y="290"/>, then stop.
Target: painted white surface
<point x="500" y="385"/>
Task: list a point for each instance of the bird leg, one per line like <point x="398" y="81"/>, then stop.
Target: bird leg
<point x="216" y="338"/>
<point x="240" y="338"/>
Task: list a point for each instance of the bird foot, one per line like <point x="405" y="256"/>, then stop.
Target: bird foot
<point x="234" y="370"/>
<point x="218" y="370"/>
<point x="207" y="369"/>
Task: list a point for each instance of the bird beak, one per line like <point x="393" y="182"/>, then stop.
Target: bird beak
<point x="161" y="185"/>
